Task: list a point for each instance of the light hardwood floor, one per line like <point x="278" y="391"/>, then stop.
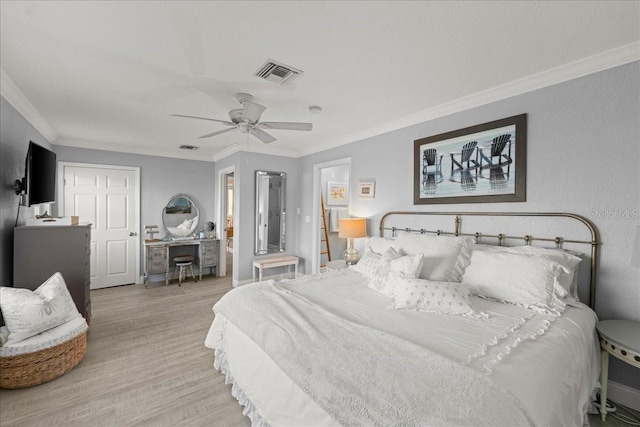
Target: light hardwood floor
<point x="146" y="364"/>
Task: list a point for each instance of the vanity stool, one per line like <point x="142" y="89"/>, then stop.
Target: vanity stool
<point x="182" y="262"/>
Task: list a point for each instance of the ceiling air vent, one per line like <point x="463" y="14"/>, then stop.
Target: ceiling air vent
<point x="277" y="72"/>
<point x="188" y="147"/>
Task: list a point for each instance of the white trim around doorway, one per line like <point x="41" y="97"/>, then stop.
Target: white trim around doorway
<point x="315" y="217"/>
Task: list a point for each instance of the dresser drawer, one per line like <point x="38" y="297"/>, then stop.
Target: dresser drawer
<point x="156" y="261"/>
<point x="209" y="254"/>
<point x="209" y="260"/>
<point x="156" y="266"/>
<point x="156" y="254"/>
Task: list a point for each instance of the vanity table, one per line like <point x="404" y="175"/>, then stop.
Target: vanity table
<point x="180" y="219"/>
<point x="157" y="255"/>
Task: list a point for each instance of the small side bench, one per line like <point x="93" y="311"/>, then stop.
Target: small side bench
<point x="272" y="262"/>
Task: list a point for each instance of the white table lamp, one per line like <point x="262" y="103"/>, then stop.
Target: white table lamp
<point x="352" y="228"/>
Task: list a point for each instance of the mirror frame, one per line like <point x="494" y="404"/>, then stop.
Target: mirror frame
<point x="193" y="228"/>
<point x="263" y="200"/>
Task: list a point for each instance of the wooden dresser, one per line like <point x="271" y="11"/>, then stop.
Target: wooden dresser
<point x="40" y="251"/>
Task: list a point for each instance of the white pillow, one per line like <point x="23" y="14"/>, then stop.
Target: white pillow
<point x="379" y="244"/>
<point x="523" y="279"/>
<point x="27" y="313"/>
<point x="186" y="224"/>
<point x="368" y="264"/>
<point x="568" y="281"/>
<point x="445" y="257"/>
<point x="431" y="296"/>
<point x="393" y="262"/>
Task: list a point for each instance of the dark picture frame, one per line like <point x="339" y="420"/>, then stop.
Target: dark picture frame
<point x="485" y="163"/>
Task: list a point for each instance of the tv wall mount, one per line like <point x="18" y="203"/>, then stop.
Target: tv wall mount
<point x="19" y="186"/>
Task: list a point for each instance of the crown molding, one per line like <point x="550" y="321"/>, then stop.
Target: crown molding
<point x="16" y="98"/>
<point x="187" y="155"/>
<point x="253" y="148"/>
<point x="227" y="151"/>
<point x="120" y="148"/>
<point x="573" y="70"/>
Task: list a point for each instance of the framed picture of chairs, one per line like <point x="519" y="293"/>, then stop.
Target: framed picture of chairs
<point x="485" y="163"/>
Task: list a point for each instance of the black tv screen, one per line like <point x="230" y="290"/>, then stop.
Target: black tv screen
<point x="40" y="175"/>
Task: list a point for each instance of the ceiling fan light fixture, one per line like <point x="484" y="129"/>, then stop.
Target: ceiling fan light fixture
<point x="236" y="115"/>
<point x="247" y="120"/>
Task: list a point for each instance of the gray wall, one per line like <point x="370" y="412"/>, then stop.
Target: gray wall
<point x="246" y="164"/>
<point x="160" y="179"/>
<point x="15" y="134"/>
<point x="582" y="157"/>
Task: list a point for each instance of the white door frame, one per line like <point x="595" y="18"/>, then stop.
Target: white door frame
<point x="222" y="222"/>
<point x="136" y="207"/>
<point x="315" y="215"/>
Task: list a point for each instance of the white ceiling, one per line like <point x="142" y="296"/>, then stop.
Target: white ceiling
<point x="108" y="75"/>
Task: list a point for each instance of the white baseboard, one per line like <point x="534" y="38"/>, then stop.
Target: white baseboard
<point x="624" y="395"/>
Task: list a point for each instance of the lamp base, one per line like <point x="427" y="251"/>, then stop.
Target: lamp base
<point x="351" y="255"/>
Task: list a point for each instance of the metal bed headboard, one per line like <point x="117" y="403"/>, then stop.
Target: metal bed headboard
<point x="594" y="243"/>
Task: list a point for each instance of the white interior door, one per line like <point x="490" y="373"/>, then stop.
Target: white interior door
<point x="108" y="198"/>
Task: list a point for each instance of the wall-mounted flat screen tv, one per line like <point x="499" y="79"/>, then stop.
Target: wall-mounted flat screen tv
<point x="40" y="175"/>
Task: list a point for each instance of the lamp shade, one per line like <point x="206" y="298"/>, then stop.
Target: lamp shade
<point x="351" y="228"/>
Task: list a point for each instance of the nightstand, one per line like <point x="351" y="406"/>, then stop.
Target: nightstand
<point x="336" y="265"/>
<point x="621" y="338"/>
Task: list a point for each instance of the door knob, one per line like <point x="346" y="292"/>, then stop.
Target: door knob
<point x="133" y="233"/>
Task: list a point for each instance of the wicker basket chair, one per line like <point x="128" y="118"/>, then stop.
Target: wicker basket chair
<point x="37" y="367"/>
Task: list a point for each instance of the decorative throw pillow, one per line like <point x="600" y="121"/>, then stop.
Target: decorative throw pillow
<point x="368" y="264"/>
<point x="27" y="313"/>
<point x="431" y="296"/>
<point x="392" y="261"/>
<point x="384" y="264"/>
<point x="523" y="279"/>
<point x="445" y="257"/>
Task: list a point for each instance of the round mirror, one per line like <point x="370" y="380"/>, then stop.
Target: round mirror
<point x="180" y="217"/>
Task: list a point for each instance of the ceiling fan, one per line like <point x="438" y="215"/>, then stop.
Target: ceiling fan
<point x="247" y="119"/>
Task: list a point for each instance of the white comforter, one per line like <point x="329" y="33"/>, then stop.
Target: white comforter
<point x="521" y="367"/>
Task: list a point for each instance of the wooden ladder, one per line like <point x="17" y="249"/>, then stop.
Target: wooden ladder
<point x="324" y="238"/>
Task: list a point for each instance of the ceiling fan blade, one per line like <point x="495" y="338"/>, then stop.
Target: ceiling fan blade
<point x="252" y="111"/>
<point x="261" y="135"/>
<point x="286" y="125"/>
<point x="226" y="122"/>
<point x="209" y="135"/>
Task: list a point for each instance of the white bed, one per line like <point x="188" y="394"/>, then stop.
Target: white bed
<point x="331" y="349"/>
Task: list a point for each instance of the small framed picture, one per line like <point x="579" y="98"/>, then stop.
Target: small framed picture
<point x="366" y="190"/>
<point x="337" y="194"/>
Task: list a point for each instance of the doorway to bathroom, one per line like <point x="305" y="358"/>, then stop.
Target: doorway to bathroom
<point x="227" y="221"/>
